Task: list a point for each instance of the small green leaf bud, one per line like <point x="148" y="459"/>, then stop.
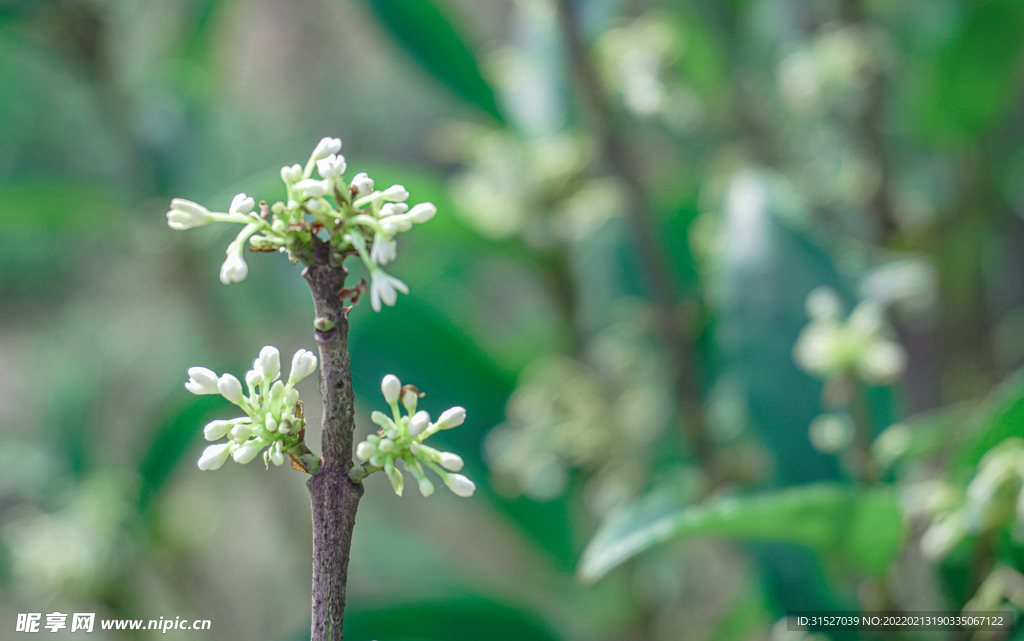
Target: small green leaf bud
<point x="323" y="323"/>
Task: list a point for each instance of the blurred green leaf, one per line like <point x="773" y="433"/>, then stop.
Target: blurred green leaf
<point x="976" y="77"/>
<point x="470" y="618"/>
<point x="52" y="204"/>
<point x="182" y="424"/>
<point x="861" y="527"/>
<point x="1001" y="418"/>
<point x="430" y="37"/>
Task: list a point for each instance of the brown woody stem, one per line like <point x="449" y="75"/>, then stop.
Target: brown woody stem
<point x="335" y="498"/>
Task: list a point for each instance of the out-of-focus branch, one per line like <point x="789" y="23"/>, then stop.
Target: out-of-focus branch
<point x="608" y="127"/>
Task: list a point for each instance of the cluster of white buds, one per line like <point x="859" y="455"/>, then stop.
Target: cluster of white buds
<point x="273" y="422"/>
<point x="351" y="215"/>
<point x="400" y="438"/>
<point x="829" y="346"/>
<point x="993" y="498"/>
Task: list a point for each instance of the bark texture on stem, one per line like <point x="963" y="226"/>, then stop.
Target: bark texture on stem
<point x="334" y="497"/>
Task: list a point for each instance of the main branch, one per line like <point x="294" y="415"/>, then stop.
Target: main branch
<point x="334" y="497"/>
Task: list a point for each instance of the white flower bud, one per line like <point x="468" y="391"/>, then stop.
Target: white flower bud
<point x="867" y="318"/>
<point x="392" y="209"/>
<point x="460" y="485"/>
<point x="252" y="379"/>
<point x="451" y="462"/>
<point x="270" y="424"/>
<point x="291" y="398"/>
<point x="378" y="459"/>
<point x="452" y="417"/>
<point x="277" y="390"/>
<point x="392" y="433"/>
<point x="419" y="422"/>
<point x="365" y="451"/>
<point x="215" y="430"/>
<point x="245" y="454"/>
<point x="397" y="480"/>
<point x="270" y="363"/>
<point x="410" y="400"/>
<point x="314" y="188"/>
<point x="823" y="303"/>
<point x="234" y="269"/>
<point x="396" y="194"/>
<point x="201" y="381"/>
<point x="332" y="166"/>
<point x="303" y="364"/>
<point x="883" y="363"/>
<point x="816" y="349"/>
<point x="279" y="226"/>
<point x="313" y="206"/>
<point x="291" y="174"/>
<point x="285" y="427"/>
<point x="426" y="487"/>
<point x="940" y="539"/>
<point x="241" y="432"/>
<point x="391" y="387"/>
<point x="230" y="388"/>
<point x="326" y="147"/>
<point x="214" y="456"/>
<point x="386" y="445"/>
<point x="362" y="183"/>
<point x="242" y="204"/>
<point x="276" y="454"/>
<point x="185" y="214"/>
<point x="423" y="212"/>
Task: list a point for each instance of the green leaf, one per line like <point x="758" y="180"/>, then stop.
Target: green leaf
<point x="1000" y="419"/>
<point x="454" y="619"/>
<point x="974" y="80"/>
<point x="430" y="37"/>
<point x="182" y="425"/>
<point x="861" y="527"/>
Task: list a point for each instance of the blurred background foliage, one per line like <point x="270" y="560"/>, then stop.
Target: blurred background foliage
<point x="637" y="198"/>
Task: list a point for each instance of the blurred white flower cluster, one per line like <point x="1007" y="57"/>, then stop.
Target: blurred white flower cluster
<point x="992" y="500"/>
<point x="636" y="60"/>
<point x="601" y="416"/>
<point x="836" y="61"/>
<point x="400" y="438"/>
<point x="273" y="420"/>
<point x="535" y="188"/>
<point x="350" y="215"/>
<point x="861" y="345"/>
